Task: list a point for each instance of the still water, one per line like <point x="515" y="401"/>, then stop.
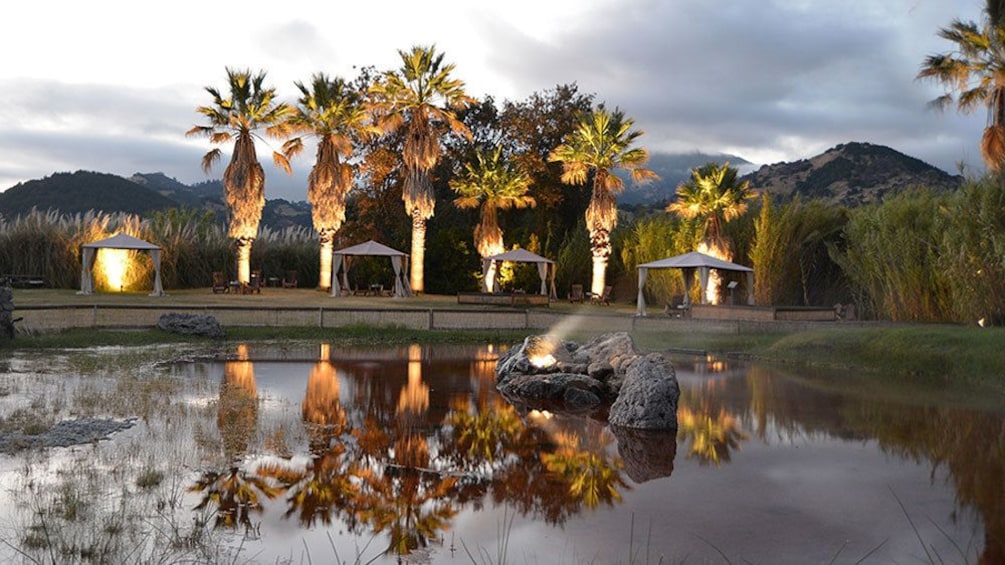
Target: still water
<point x="407" y="454"/>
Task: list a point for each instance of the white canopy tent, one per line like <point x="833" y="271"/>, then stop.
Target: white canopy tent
<point x="399" y="262"/>
<point x="117" y="241"/>
<point x="522" y="256"/>
<point x="689" y="263"/>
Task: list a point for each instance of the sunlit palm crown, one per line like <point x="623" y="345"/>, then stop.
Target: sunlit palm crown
<point x="328" y="109"/>
<point x="602" y="141"/>
<point x="974" y="76"/>
<point x="249" y="108"/>
<point x="423" y="95"/>
<point x="493" y="180"/>
<point x="712" y="192"/>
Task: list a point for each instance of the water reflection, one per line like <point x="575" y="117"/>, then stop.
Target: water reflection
<point x="400" y="441"/>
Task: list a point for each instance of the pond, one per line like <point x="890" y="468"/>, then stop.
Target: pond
<point x="265" y="453"/>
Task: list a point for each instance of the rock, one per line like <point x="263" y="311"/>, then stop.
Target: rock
<point x="190" y="324"/>
<point x="646" y="454"/>
<point x="554" y="387"/>
<point x="578" y="377"/>
<point x="648" y="398"/>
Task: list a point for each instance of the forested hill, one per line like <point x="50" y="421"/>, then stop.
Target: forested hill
<point x="79" y="192"/>
<point x="851" y="174"/>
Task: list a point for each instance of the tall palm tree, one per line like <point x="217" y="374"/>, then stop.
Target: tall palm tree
<point x="333" y="112"/>
<point x="249" y="108"/>
<point x="714" y="196"/>
<point x="420" y="97"/>
<point x="494" y="184"/>
<point x="601" y="143"/>
<point x="973" y="75"/>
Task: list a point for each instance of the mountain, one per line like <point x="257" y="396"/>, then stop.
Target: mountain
<point x="851" y="174"/>
<point x="139" y="194"/>
<point x="673" y="169"/>
<point x="81" y="191"/>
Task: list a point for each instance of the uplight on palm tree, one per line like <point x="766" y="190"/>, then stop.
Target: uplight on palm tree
<point x="495" y="184"/>
<point x="973" y="75"/>
<point x="249" y="108"/>
<point x="601" y="143"/>
<point x="713" y="196"/>
<point x="333" y="112"/>
<point x="420" y="97"/>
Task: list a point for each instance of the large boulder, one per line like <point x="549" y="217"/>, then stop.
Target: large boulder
<point x="548" y="372"/>
<point x="648" y="397"/>
<point x="190" y="324"/>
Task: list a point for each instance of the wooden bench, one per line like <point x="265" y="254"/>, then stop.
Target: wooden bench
<point x="502" y="299"/>
<point x="25" y="281"/>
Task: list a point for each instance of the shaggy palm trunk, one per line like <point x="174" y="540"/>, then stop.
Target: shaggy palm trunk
<point x="244" y="259"/>
<point x="489" y="241"/>
<point x="327" y="251"/>
<point x="244" y="190"/>
<point x="417" y="276"/>
<point x="600" y="246"/>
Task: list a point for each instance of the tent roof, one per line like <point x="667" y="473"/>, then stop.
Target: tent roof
<point x="369" y="248"/>
<point x="695" y="260"/>
<point x="519" y="255"/>
<point x="122" y="241"/>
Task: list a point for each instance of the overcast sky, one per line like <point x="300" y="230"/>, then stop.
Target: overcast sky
<point x="111" y="86"/>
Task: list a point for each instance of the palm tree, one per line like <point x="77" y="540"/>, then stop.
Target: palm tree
<point x="494" y="184"/>
<point x="973" y="75"/>
<point x="602" y="142"/>
<point x="420" y="97"/>
<point x="333" y="112"/>
<point x="249" y="108"/>
<point x="713" y="196"/>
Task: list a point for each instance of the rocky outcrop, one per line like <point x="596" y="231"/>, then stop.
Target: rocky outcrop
<point x="190" y="324"/>
<point x="547" y="372"/>
<point x="648" y="398"/>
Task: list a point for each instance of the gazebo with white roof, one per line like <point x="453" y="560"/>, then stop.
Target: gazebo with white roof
<point x="689" y="263"/>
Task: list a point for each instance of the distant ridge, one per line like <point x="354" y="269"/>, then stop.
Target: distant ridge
<point x="81" y="191"/>
<point x="851" y="174"/>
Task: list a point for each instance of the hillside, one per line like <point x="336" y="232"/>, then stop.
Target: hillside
<point x="851" y="174"/>
<point x="81" y="191"/>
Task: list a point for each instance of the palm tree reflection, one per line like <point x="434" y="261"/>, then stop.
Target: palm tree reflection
<point x="235" y="494"/>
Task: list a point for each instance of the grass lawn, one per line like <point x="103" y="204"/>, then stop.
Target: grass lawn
<point x="954" y="353"/>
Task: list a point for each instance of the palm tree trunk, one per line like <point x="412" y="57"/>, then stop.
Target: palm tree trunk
<point x="327" y="251"/>
<point x="600" y="246"/>
<point x="417" y="277"/>
<point x="244" y="259"/>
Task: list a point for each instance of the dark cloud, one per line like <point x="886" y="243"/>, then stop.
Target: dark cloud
<point x="777" y="76"/>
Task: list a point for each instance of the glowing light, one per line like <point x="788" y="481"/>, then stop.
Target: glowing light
<point x="327" y="251"/>
<point x="540" y="415"/>
<point x="981" y="322"/>
<point x="599" y="274"/>
<point x="244" y="259"/>
<point x="114" y="263"/>
<point x="714" y="279"/>
<point x="414" y="397"/>
<point x="540" y="351"/>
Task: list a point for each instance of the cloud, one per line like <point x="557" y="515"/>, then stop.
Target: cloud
<point x="783" y="78"/>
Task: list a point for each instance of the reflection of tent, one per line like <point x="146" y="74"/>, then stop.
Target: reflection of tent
<point x="523" y="256"/>
<point x="371" y="248"/>
<point x="689" y="263"/>
<point x="118" y="241"/>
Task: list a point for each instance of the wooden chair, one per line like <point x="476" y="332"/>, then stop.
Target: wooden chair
<point x="254" y="283"/>
<point x="290" y="280"/>
<point x="604" y="298"/>
<point x="576" y="294"/>
<point x="219" y="282"/>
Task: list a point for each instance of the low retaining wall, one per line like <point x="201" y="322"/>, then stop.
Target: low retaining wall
<point x="54" y="318"/>
<point x="762" y="313"/>
<point x="514" y="299"/>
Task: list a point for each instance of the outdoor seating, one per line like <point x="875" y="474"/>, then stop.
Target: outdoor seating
<point x="290" y="280"/>
<point x="576" y="294"/>
<point x="254" y="283"/>
<point x="604" y="298"/>
<point x="219" y="282"/>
